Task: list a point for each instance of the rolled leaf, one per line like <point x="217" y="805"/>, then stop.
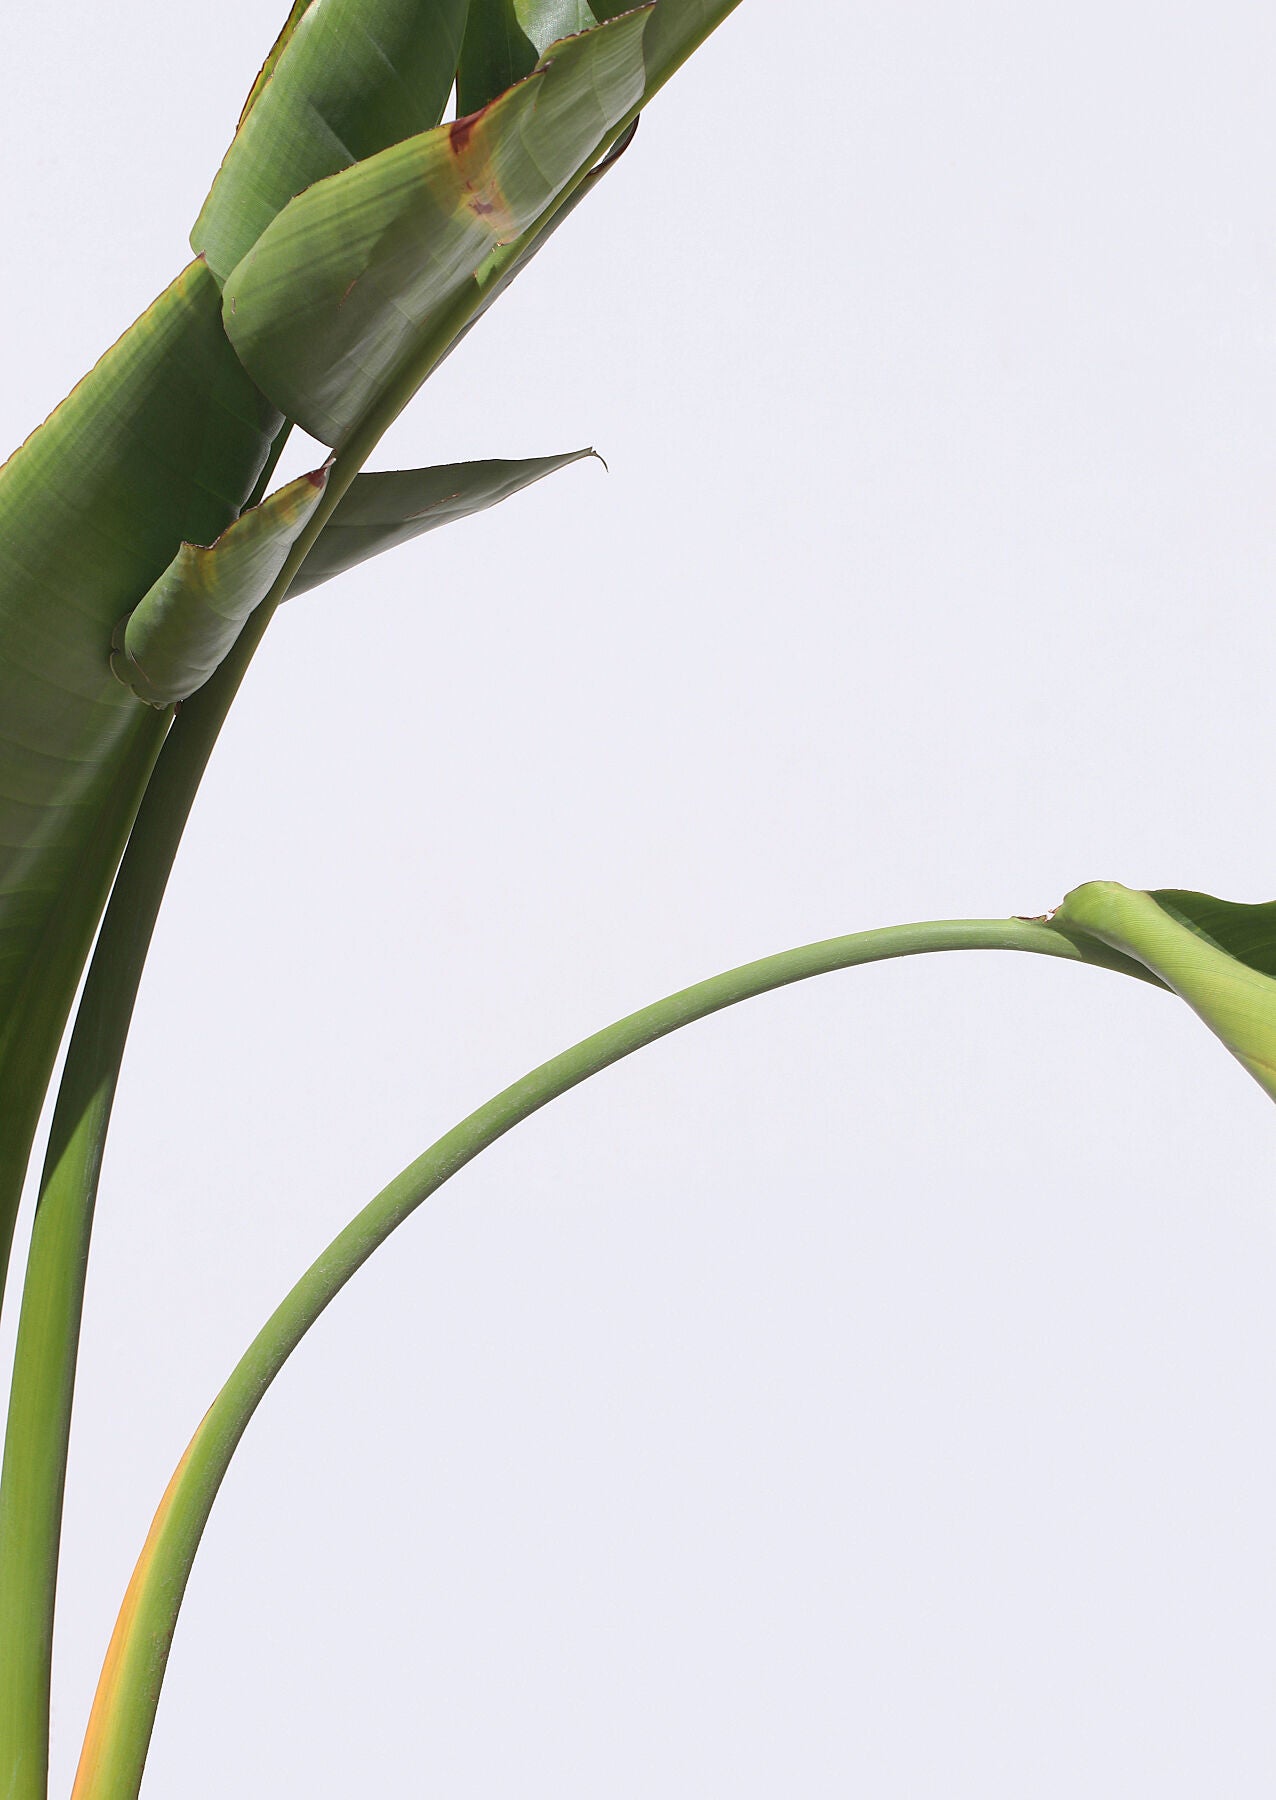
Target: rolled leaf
<point x="329" y="306"/>
<point x="184" y="626"/>
<point x="379" y="511"/>
<point x="350" y="78"/>
<point x="162" y="441"/>
<point x="1218" y="956"/>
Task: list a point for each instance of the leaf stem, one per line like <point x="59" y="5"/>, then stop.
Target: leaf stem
<point x="36" y="1021"/>
<point x="40" y="1400"/>
<point x="120" y="1725"/>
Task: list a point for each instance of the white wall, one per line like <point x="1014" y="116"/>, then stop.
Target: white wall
<point x="869" y="1390"/>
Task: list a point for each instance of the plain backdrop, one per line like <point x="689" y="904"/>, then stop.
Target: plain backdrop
<point x="868" y="1390"/>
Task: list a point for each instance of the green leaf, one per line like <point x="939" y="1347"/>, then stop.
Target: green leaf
<point x="679" y="27"/>
<point x="683" y="26"/>
<point x="504" y="39"/>
<point x="496" y="53"/>
<point x="381" y="510"/>
<point x="182" y="629"/>
<point x="161" y="441"/>
<point x="1246" y="932"/>
<point x="328" y="307"/>
<point x="277" y="49"/>
<point x="352" y="78"/>
<point x="1218" y="956"/>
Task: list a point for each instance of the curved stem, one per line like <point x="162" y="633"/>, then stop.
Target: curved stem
<point x="119" y="1729"/>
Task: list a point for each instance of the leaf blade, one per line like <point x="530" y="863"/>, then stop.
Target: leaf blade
<point x="352" y="78"/>
<point x="1247" y="932"/>
<point x="382" y="510"/>
<point x="326" y="309"/>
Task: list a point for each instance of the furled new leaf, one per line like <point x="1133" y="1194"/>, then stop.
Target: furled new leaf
<point x="162" y="441"/>
<point x="1218" y="956"/>
<point x="381" y="510"/>
<point x="353" y="77"/>
<point x="182" y="629"/>
<point x="330" y="305"/>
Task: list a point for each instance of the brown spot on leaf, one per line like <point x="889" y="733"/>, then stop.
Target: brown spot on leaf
<point x="460" y="133"/>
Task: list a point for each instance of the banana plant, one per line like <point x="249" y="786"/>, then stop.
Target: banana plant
<point x="352" y="237"/>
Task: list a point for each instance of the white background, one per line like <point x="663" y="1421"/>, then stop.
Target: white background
<point x="870" y="1390"/>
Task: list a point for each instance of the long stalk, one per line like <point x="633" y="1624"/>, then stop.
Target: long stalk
<point x="33" y="1478"/>
<point x="40" y="1399"/>
<point x="123" y="1714"/>
<point x="36" y="1020"/>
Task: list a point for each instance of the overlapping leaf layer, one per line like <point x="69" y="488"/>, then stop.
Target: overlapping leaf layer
<point x="329" y="307"/>
<point x="343" y="219"/>
<point x="162" y="441"/>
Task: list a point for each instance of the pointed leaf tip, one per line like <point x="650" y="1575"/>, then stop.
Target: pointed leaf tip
<point x="379" y="511"/>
